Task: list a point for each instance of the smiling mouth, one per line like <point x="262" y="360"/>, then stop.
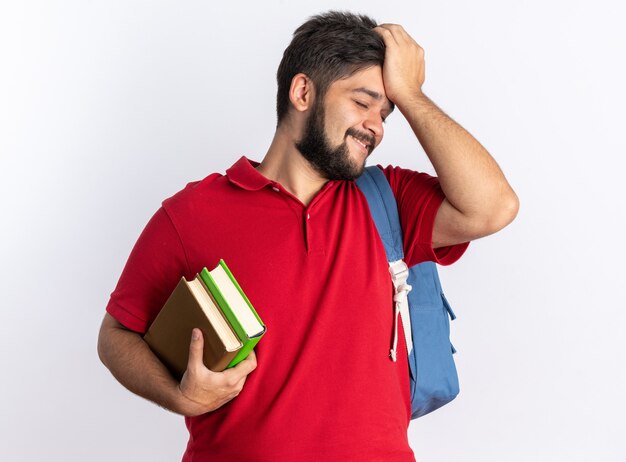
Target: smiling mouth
<point x="365" y="145"/>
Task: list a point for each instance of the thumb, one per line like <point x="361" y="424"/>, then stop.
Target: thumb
<point x="196" y="349"/>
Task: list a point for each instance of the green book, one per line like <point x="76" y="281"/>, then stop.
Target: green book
<point x="236" y="308"/>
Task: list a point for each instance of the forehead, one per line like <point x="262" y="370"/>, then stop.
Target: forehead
<point x="366" y="82"/>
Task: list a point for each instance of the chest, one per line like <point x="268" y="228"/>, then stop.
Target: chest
<point x="301" y="266"/>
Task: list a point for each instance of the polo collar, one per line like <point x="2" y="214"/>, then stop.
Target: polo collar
<point x="243" y="173"/>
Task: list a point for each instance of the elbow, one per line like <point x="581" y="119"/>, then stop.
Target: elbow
<point x="106" y="340"/>
<point x="503" y="213"/>
<point x="496" y="217"/>
<point x="101" y="347"/>
<point x="509" y="209"/>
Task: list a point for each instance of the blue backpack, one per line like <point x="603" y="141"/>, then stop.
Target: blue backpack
<point x="419" y="301"/>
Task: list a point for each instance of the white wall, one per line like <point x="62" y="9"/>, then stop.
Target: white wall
<point x="107" y="107"/>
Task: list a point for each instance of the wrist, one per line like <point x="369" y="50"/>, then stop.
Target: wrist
<point x="411" y="99"/>
<point x="183" y="405"/>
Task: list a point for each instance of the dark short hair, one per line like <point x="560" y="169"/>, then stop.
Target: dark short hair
<point x="328" y="47"/>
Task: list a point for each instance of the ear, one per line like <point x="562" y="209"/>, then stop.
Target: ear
<point x="301" y="92"/>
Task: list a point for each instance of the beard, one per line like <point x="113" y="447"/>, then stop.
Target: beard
<point x="333" y="163"/>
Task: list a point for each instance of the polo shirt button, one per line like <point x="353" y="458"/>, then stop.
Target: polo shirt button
<point x="275" y="189"/>
<point x="308" y="216"/>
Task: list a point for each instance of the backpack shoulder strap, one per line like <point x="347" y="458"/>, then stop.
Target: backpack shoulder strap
<point x="374" y="185"/>
<point x="384" y="210"/>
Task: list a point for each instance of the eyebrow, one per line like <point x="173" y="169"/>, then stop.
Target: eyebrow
<point x="375" y="95"/>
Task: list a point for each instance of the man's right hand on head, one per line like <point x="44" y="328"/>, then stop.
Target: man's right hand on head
<point x="203" y="390"/>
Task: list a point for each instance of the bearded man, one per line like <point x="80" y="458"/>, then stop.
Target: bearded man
<point x="297" y="232"/>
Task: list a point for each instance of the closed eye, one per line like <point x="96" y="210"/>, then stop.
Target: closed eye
<point x="363" y="105"/>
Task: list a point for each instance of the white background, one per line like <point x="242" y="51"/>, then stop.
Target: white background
<point x="108" y="107"/>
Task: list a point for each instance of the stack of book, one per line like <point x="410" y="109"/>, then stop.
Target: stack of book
<point x="215" y="303"/>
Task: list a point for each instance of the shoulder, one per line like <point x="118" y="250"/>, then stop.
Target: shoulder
<point x="195" y="193"/>
<point x="403" y="180"/>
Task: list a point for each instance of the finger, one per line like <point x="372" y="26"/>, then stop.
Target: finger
<point x="237" y="391"/>
<point x="242" y="369"/>
<point x="239" y="385"/>
<point x="386" y="34"/>
<point x="394" y="28"/>
<point x="247" y="365"/>
<point x="398" y="32"/>
<point x="235" y="384"/>
<point x="196" y="350"/>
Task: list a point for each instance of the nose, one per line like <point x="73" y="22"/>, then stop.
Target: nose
<point x="374" y="124"/>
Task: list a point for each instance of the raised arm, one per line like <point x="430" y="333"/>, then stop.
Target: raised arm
<point x="133" y="364"/>
<point x="479" y="200"/>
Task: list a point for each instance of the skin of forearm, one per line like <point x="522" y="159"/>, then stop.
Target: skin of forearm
<point x="470" y="178"/>
<point x="133" y="364"/>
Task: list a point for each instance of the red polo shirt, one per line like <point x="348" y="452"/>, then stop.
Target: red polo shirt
<point x="325" y="387"/>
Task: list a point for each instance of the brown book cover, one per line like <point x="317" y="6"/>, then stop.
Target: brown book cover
<point x="190" y="305"/>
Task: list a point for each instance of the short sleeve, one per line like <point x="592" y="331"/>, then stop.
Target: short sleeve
<point x="419" y="197"/>
<point x="154" y="267"/>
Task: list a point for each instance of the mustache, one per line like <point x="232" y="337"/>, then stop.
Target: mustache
<point x="363" y="137"/>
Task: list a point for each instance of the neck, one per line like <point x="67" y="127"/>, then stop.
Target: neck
<point x="284" y="164"/>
